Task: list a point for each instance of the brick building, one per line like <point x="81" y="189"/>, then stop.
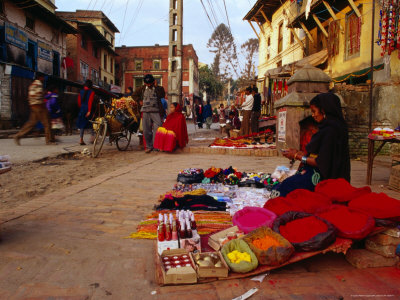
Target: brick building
<point x="94" y="45"/>
<point x="32" y="40"/>
<point x="132" y="63"/>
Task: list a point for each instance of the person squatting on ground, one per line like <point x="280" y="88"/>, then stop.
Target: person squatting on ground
<point x="222" y="117"/>
<point x="38" y="111"/>
<point x="85" y="101"/>
<point x="256" y="111"/>
<point x="152" y="108"/>
<point x="207" y="114"/>
<point x="232" y="123"/>
<point x="247" y="107"/>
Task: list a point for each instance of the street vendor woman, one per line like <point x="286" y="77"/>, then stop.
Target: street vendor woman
<point x="327" y="154"/>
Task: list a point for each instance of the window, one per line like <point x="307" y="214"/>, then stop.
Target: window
<point x="105" y="62"/>
<point x="84" y="71"/>
<point x="105" y="79"/>
<point x="111" y="65"/>
<point x="138" y="82"/>
<point x="83" y="42"/>
<point x="111" y="81"/>
<point x="353" y="35"/>
<point x="112" y="41"/>
<point x="268" y="47"/>
<point x="138" y="64"/>
<point x="291" y="37"/>
<point x="280" y="38"/>
<point x="95" y="76"/>
<point x="95" y="52"/>
<point x="158" y="79"/>
<point x="156" y="64"/>
<point x="30" y="22"/>
<point x="2" y="7"/>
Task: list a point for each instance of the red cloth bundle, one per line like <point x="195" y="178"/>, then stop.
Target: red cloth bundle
<point x="349" y="223"/>
<point x="378" y="205"/>
<point x="279" y="206"/>
<point x="307" y="201"/>
<point x="340" y="190"/>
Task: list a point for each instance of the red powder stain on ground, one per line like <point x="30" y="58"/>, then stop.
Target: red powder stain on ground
<point x="272" y="282"/>
<point x="340" y="278"/>
<point x="236" y="284"/>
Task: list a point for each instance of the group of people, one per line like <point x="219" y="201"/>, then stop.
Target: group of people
<point x="44" y="110"/>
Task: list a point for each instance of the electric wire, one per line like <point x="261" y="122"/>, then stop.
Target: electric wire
<point x="132" y="21"/>
<point x="123" y="20"/>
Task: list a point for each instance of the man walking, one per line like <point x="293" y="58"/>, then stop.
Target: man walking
<point x="38" y="111"/>
<point x="152" y="108"/>
<point x="256" y="112"/>
<point x="247" y="107"/>
<point x="207" y="114"/>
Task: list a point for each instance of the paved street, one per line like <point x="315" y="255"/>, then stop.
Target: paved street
<point x="71" y="244"/>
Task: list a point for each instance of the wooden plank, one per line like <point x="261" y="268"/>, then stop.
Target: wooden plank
<point x="297" y="38"/>
<point x="307" y="32"/>
<point x="261" y="29"/>
<point x="253" y="29"/>
<point x="354" y="7"/>
<point x="320" y="25"/>
<point x="332" y="13"/>
<point x="264" y="16"/>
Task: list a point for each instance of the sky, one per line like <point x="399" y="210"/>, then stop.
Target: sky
<point x="145" y="22"/>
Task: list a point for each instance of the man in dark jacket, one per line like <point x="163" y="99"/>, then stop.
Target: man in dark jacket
<point x="150" y="96"/>
<point x="256" y="111"/>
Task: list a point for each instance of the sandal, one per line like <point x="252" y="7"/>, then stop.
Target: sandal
<point x="82" y="143"/>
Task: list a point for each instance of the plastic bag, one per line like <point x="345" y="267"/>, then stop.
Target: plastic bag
<point x="275" y="255"/>
<point x="318" y="242"/>
<point x="241" y="246"/>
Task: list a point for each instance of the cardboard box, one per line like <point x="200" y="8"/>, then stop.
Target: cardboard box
<point x="204" y="272"/>
<point x="192" y="245"/>
<point x="167" y="245"/>
<point x="177" y="275"/>
<point x="214" y="240"/>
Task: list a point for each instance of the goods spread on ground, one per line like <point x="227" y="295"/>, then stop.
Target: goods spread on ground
<point x="222" y="223"/>
<point x="5" y="164"/>
<point x="385" y="133"/>
<point x="260" y="140"/>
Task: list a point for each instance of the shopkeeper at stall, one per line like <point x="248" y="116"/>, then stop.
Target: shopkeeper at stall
<point x="327" y="154"/>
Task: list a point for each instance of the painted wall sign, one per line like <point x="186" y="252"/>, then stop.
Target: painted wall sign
<point x="16" y="37"/>
<point x="45" y="51"/>
<point x="185" y="83"/>
<point x="282" y="125"/>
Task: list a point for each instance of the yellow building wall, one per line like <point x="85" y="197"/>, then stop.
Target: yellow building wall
<point x="290" y="53"/>
<point x="106" y="72"/>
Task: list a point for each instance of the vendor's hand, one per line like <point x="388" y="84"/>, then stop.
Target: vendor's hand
<point x="87" y="114"/>
<point x="289" y="153"/>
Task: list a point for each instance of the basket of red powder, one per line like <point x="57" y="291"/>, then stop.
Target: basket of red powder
<point x="304" y="231"/>
<point x="349" y="222"/>
<point x="251" y="218"/>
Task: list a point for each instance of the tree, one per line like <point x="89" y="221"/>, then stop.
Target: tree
<point x="209" y="82"/>
<point x="223" y="45"/>
<point x="250" y="49"/>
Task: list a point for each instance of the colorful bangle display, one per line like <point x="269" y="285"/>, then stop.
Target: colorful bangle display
<point x="304" y="160"/>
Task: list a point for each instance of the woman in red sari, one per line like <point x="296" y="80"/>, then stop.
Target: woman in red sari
<point x="173" y="133"/>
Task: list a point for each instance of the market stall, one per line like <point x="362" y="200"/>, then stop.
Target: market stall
<point x="261" y="140"/>
<point x="5" y="164"/>
<point x="220" y="224"/>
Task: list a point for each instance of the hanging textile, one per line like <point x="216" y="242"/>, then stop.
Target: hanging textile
<point x="333" y="38"/>
<point x="389" y="23"/>
<point x="354" y="34"/>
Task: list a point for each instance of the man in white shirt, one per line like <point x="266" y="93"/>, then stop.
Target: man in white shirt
<point x="247" y="107"/>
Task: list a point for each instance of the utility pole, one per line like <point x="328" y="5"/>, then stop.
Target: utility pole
<point x="175" y="51"/>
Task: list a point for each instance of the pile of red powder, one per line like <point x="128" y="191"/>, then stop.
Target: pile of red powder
<point x="301" y="230"/>
<point x="344" y="219"/>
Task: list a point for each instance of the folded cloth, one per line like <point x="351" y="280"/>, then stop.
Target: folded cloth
<point x="340" y="190"/>
<point x="192" y="202"/>
<point x="378" y="205"/>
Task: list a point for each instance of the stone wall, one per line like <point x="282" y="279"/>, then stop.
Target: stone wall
<point x="386" y="109"/>
<point x="5" y="98"/>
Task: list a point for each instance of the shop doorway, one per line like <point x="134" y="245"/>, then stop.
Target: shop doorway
<point x="56" y="63"/>
<point x="31" y="55"/>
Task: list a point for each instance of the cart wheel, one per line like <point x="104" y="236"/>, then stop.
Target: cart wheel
<point x="99" y="139"/>
<point x="123" y="140"/>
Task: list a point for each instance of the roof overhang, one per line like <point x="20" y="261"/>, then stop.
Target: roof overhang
<point x="263" y="8"/>
<point x="93" y="32"/>
<point x="319" y="9"/>
<point x="44" y="14"/>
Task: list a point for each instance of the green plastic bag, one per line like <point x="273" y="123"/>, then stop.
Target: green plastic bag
<point x="241" y="246"/>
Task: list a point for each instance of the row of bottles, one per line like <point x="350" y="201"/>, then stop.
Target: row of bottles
<point x="169" y="228"/>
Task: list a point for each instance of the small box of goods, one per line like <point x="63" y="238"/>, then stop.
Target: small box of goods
<point x="167" y="233"/>
<point x="210" y="264"/>
<point x="177" y="267"/>
<point x="217" y="240"/>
